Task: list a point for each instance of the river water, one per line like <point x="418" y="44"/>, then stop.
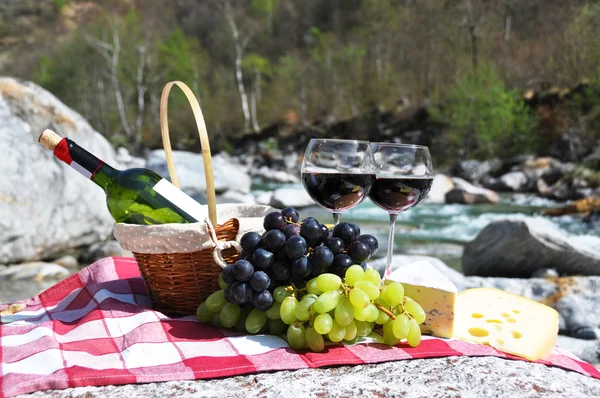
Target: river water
<point x="443" y="230"/>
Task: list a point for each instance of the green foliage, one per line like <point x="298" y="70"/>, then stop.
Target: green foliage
<point x="485" y="118"/>
<point x="60" y="4"/>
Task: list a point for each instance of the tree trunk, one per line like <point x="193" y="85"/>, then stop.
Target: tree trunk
<point x="239" y="54"/>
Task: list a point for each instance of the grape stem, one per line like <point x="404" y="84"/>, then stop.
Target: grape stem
<point x="385" y="311"/>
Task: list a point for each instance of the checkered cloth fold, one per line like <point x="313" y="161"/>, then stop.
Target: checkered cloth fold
<point x="97" y="328"/>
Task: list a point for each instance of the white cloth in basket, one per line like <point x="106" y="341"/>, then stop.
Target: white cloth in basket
<point x="182" y="238"/>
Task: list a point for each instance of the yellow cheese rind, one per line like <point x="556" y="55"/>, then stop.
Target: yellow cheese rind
<point x="507" y="322"/>
<point x="433" y="291"/>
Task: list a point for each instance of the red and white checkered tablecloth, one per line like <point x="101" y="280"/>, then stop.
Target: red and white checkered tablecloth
<point x="97" y="328"/>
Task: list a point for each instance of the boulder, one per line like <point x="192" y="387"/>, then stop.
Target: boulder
<point x="467" y="193"/>
<point x="442" y="184"/>
<point x="100" y="250"/>
<point x="189" y="166"/>
<point x="518" y="247"/>
<point x="474" y="170"/>
<point x="592" y="161"/>
<point x="587" y="350"/>
<point x="431" y="377"/>
<point x="36" y="271"/>
<point x="232" y="196"/>
<point x="515" y="181"/>
<point x="293" y="197"/>
<point x="46" y="207"/>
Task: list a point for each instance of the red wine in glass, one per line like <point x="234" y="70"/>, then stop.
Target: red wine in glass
<point x="337" y="191"/>
<point x="396" y="194"/>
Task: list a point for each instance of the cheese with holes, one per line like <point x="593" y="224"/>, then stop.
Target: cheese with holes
<point x="507" y="322"/>
<point x="433" y="291"/>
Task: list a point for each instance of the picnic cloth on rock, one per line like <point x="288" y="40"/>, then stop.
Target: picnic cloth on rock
<point x="97" y="328"/>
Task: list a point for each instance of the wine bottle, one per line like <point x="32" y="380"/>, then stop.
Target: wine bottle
<point x="133" y="196"/>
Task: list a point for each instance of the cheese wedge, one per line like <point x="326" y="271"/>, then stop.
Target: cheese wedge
<point x="433" y="291"/>
<point x="507" y="322"/>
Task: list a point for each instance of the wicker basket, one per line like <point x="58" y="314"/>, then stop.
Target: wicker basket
<point x="178" y="282"/>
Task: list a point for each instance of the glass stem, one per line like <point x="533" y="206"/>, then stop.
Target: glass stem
<point x="336" y="218"/>
<point x="390" y="252"/>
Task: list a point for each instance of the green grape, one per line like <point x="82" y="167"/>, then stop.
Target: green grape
<point x="369" y="288"/>
<point x="344" y="312"/>
<point x="276" y="327"/>
<point x="361" y="314"/>
<point x="382" y="318"/>
<point x="323" y="323"/>
<point x="288" y="310"/>
<point x="327" y="301"/>
<point x="413" y="308"/>
<point x="394" y="293"/>
<point x="240" y="326"/>
<point x="296" y="336"/>
<point x="229" y="315"/>
<point x="358" y="298"/>
<point x="222" y="283"/>
<point x="328" y="282"/>
<point x="372" y="276"/>
<point x="281" y="292"/>
<point x="303" y="308"/>
<point x="373" y="313"/>
<point x="363" y="328"/>
<point x="382" y="290"/>
<point x="388" y="334"/>
<point x="311" y="287"/>
<point x="354" y="274"/>
<point x="401" y="326"/>
<point x="255" y="321"/>
<point x="350" y="331"/>
<point x="274" y="311"/>
<point x="337" y="332"/>
<point x="216" y="301"/>
<point x="203" y="314"/>
<point x="216" y="321"/>
<point x="314" y="340"/>
<point x="414" y="334"/>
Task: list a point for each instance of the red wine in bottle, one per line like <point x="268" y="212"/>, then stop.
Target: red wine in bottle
<point x="133" y="196"/>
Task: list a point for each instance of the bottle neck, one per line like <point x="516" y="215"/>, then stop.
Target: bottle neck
<point x="85" y="163"/>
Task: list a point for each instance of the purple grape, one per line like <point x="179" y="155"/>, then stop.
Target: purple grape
<point x="345" y="231"/>
<point x="228" y="295"/>
<point x="262" y="301"/>
<point x="291" y="229"/>
<point x="281" y="256"/>
<point x="274" y="220"/>
<point x="262" y="258"/>
<point x="290" y="214"/>
<point x="227" y="274"/>
<point x="356" y="230"/>
<point x="324" y="232"/>
<point x="300" y="266"/>
<point x="336" y="245"/>
<point x="274" y="239"/>
<point x="316" y="272"/>
<point x="281" y="271"/>
<point x="243" y="270"/>
<point x="251" y="241"/>
<point x="371" y="241"/>
<point x="295" y="247"/>
<point x="311" y="231"/>
<point x="298" y="281"/>
<point x="341" y="263"/>
<point x="322" y="257"/>
<point x="260" y="281"/>
<point x="241" y="292"/>
<point x="359" y="251"/>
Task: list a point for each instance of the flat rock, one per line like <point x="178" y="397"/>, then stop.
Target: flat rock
<point x="190" y="171"/>
<point x="46" y="207"/>
<point x="294" y="197"/>
<point x="435" y="377"/>
<point x="515" y="181"/>
<point x="37" y="271"/>
<point x="442" y="184"/>
<point x="518" y="247"/>
<point x="266" y="175"/>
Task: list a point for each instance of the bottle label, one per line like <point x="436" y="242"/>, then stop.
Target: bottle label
<point x="176" y="196"/>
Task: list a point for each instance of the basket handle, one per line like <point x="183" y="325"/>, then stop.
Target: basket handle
<point x="204" y="142"/>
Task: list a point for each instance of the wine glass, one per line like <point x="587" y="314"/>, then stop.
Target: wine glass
<point x="333" y="175"/>
<point x="403" y="177"/>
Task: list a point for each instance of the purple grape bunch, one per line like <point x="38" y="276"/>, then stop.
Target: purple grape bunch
<point x="293" y="252"/>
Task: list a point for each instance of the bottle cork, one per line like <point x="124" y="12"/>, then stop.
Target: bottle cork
<point x="49" y="139"/>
